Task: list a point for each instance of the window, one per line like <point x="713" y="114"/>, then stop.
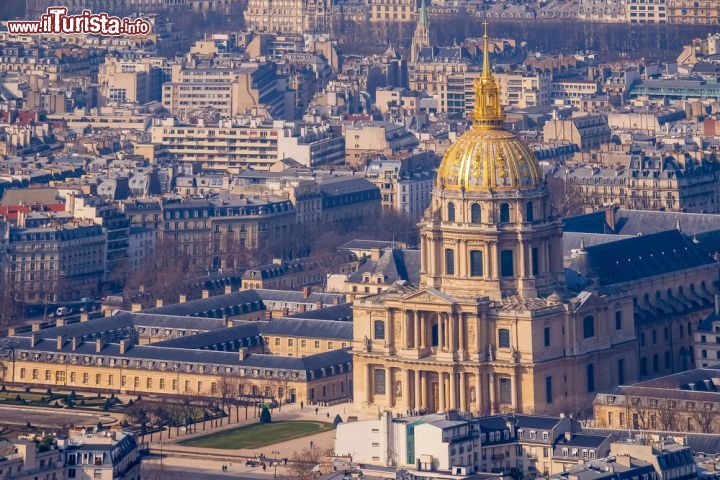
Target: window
<point x="505" y="391"/>
<point x="529" y="214"/>
<point x="656" y="363"/>
<point x="503" y="338"/>
<point x="643" y="366"/>
<point x="589" y="326"/>
<point x="591" y="378"/>
<point x="475" y="213"/>
<point x="449" y="261"/>
<point x="476" y="263"/>
<point x="546" y="336"/>
<point x="506" y="263"/>
<point x="504" y="213"/>
<point x="451" y="212"/>
<point x="621" y="371"/>
<point x="379" y="329"/>
<point x="548" y="390"/>
<point x="379" y="381"/>
<point x="618" y="320"/>
<point x="535" y="260"/>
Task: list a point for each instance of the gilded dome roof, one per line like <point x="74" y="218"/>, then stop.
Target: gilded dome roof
<point x="488" y="157"/>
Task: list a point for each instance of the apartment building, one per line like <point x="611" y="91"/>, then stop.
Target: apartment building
<point x="364" y="139"/>
<point x="587" y="131"/>
<point x="250" y="87"/>
<point x="129" y="80"/>
<point x="392" y="11"/>
<point x="571" y="91"/>
<point x="288" y="16"/>
<point x="606" y="11"/>
<point x="241" y="143"/>
<point x="707" y="338"/>
<point x="692" y="12"/>
<point x="648" y="11"/>
<point x="54" y="262"/>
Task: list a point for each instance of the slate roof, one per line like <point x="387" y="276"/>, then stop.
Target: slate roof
<point x="640" y="257"/>
<point x="342" y="312"/>
<point x="203" y="306"/>
<point x="394" y="264"/>
<point x="582" y="440"/>
<point x="572" y="240"/>
<point x="215" y="337"/>
<point x="309" y="328"/>
<point x="634" y="222"/>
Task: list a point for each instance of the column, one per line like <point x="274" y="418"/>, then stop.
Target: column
<point x="463" y="393"/>
<point x="452" y="344"/>
<point x="491" y="382"/>
<point x="390" y="328"/>
<point x="406" y="329"/>
<point x="462" y="334"/>
<point x="441" y="331"/>
<point x="368" y="387"/>
<point x="418" y="397"/>
<point x="513" y="392"/>
<point x="523" y="265"/>
<point x="478" y="392"/>
<point x="406" y="388"/>
<point x="453" y="391"/>
<point x="423" y="330"/>
<point x="389" y="390"/>
<point x="441" y="391"/>
<point x="417" y="330"/>
<point x="423" y="389"/>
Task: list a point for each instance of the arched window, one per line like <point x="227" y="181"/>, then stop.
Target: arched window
<point x="618" y="320"/>
<point x="529" y="214"/>
<point x="656" y="363"/>
<point x="589" y="326"/>
<point x="451" y="212"/>
<point x="476" y="263"/>
<point x="449" y="261"/>
<point x="504" y="213"/>
<point x="591" y="378"/>
<point x="503" y="338"/>
<point x="506" y="263"/>
<point x="379" y="329"/>
<point x="379" y="378"/>
<point x="475" y="213"/>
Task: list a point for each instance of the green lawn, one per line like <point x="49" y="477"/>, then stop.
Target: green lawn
<point x="259" y="435"/>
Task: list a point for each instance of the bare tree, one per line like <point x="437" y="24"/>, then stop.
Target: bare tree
<point x="667" y="416"/>
<point x="705" y="420"/>
<point x="637" y="413"/>
<point x="302" y="464"/>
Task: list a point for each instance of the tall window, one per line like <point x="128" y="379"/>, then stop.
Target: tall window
<point x="529" y="214"/>
<point x="546" y="336"/>
<point x="506" y="263"/>
<point x="548" y="390"/>
<point x="379" y="329"/>
<point x="656" y="363"/>
<point x="449" y="261"/>
<point x="643" y="366"/>
<point x="618" y="320"/>
<point x="504" y="213"/>
<point x="503" y="338"/>
<point x="476" y="263"/>
<point x="379" y="378"/>
<point x="589" y="326"/>
<point x="475" y="213"/>
<point x="505" y="391"/>
<point x="591" y="378"/>
<point x="535" y="260"/>
<point x="451" y="212"/>
<point x="621" y="371"/>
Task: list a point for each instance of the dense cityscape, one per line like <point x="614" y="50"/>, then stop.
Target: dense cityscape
<point x="344" y="239"/>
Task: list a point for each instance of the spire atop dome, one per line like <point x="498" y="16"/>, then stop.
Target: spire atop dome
<point x="488" y="112"/>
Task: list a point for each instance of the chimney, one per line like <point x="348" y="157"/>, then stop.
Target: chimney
<point x="60" y="342"/>
<point x="33" y="340"/>
<point x="336" y="300"/>
<point x="568" y="436"/>
<point x="306" y="292"/>
<point x="159" y="303"/>
<point x="242" y="353"/>
<point x="623" y="460"/>
<point x="98" y="345"/>
<point x="84" y="317"/>
<point x="303" y="307"/>
<point x="36" y="326"/>
<point x="183" y="298"/>
<point x="318" y="305"/>
<point x="11" y="331"/>
<point x="228" y="289"/>
<point x="205" y="293"/>
<point x="125" y="345"/>
<point x="268" y="314"/>
<point x="136" y="307"/>
<point x="717" y="304"/>
<point x="107" y="312"/>
<point x="75" y="343"/>
<point x="60" y="322"/>
<point x="610" y="218"/>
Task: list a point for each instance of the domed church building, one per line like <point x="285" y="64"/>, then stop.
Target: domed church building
<point x="492" y="327"/>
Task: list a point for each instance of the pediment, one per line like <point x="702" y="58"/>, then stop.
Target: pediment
<point x="429" y="296"/>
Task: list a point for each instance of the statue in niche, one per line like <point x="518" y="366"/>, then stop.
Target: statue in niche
<point x="491" y="353"/>
<point x="367" y="343"/>
<point x="398" y="389"/>
<point x="514" y="354"/>
<point x="472" y="396"/>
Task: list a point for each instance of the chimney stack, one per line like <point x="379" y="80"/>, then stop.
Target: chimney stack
<point x="75" y="343"/>
<point x="159" y="303"/>
<point x="228" y="289"/>
<point x="60" y="342"/>
<point x="268" y="314"/>
<point x="318" y="305"/>
<point x="717" y="304"/>
<point x="307" y="291"/>
<point x="124" y="346"/>
<point x="33" y="340"/>
<point x="183" y="298"/>
<point x="205" y="293"/>
<point x="136" y="307"/>
<point x="60" y="322"/>
<point x="36" y="326"/>
<point x="84" y="317"/>
<point x="336" y="300"/>
<point x="568" y="436"/>
<point x="242" y="353"/>
<point x="98" y="345"/>
<point x="303" y="307"/>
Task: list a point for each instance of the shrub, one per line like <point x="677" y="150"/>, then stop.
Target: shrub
<point x="265" y="416"/>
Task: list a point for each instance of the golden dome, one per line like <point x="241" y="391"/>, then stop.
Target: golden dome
<point x="488" y="157"/>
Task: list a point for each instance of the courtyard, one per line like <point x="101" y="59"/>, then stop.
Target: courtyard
<point x="259" y="435"/>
